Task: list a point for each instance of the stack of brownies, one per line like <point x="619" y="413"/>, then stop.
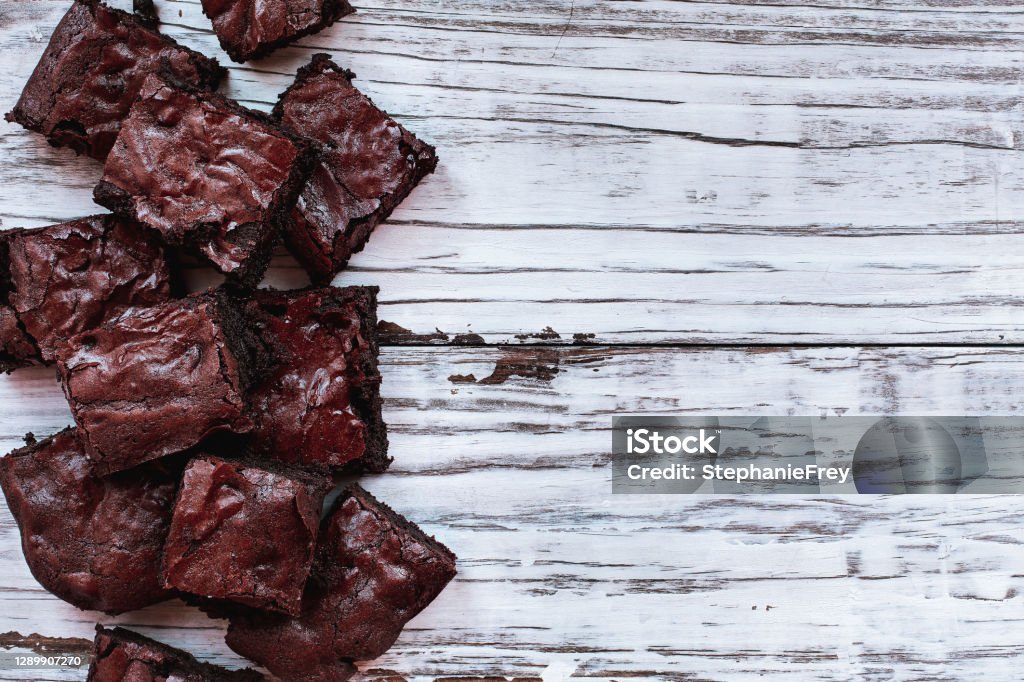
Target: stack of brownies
<point x="211" y="426"/>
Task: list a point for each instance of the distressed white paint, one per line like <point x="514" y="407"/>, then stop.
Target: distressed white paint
<point x="591" y="178"/>
<point x="555" y="572"/>
<point x="654" y="172"/>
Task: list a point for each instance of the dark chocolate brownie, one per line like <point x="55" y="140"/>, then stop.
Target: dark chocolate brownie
<point x="158" y="380"/>
<point x="373" y="572"/>
<point x="91" y="72"/>
<point x="146" y="12"/>
<point x="94" y="542"/>
<point x="70" y="277"/>
<point x="121" y="655"/>
<point x="369" y="166"/>
<point x="16" y="348"/>
<point x="244" y="533"/>
<point x="207" y="174"/>
<point x="248" y="29"/>
<point x="321" y="406"/>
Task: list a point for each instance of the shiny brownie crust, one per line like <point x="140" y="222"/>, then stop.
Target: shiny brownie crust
<point x="321" y="406"/>
<point x="159" y="380"/>
<point x="249" y="29"/>
<point x="94" y="542"/>
<point x="91" y="72"/>
<point x="67" y="278"/>
<point x="243" y="532"/>
<point x="207" y="174"/>
<point x="120" y="655"/>
<point x="374" y="571"/>
<point x="370" y="164"/>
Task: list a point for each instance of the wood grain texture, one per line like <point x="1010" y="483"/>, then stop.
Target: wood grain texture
<point x="658" y="172"/>
<point x="747" y="172"/>
<point x="559" y="577"/>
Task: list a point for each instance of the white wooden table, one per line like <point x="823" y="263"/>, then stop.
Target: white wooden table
<point x="748" y="207"/>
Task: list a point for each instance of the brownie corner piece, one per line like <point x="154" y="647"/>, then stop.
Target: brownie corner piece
<point x="244" y="532"/>
<point x="91" y="71"/>
<point x="374" y="571"/>
<point x="186" y="378"/>
<point x="69" y="277"/>
<point x="320" y="406"/>
<point x="369" y="165"/>
<point x="120" y="654"/>
<point x="249" y="29"/>
<point x="207" y="174"/>
<point x="94" y="542"/>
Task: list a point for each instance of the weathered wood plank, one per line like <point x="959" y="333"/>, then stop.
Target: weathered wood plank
<point x="558" y="576"/>
<point x="664" y="173"/>
<point x="679" y="172"/>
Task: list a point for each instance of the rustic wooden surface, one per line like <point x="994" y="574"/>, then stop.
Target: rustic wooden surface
<point x="752" y="207"/>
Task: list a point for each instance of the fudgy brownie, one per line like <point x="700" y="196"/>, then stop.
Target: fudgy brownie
<point x="91" y="72"/>
<point x="94" y="542"/>
<point x="121" y="655"/>
<point x="373" y="572"/>
<point x="370" y="164"/>
<point x="158" y="380"/>
<point x="206" y="173"/>
<point x="248" y="29"/>
<point x="320" y="407"/>
<point x="146" y="12"/>
<point x="244" y="533"/>
<point x="16" y="348"/>
<point x="66" y="278"/>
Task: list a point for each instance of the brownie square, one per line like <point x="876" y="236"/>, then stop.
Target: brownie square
<point x="370" y="164"/>
<point x="207" y="174"/>
<point x="243" y="533"/>
<point x="373" y="572"/>
<point x="94" y="542"/>
<point x="248" y="29"/>
<point x="66" y="278"/>
<point x="121" y="655"/>
<point x="321" y="406"/>
<point x="91" y="72"/>
<point x="159" y="380"/>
